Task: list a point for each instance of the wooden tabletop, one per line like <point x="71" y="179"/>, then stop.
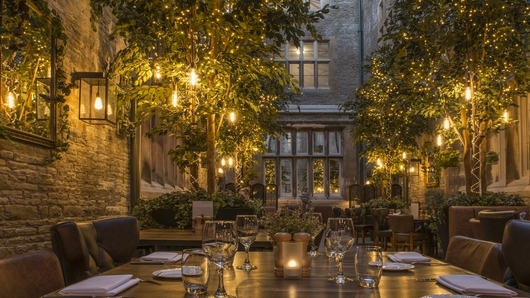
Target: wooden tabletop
<point x="261" y="283"/>
<point x="169" y="239"/>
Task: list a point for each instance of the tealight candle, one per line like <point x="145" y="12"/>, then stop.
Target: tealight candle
<point x="292" y="259"/>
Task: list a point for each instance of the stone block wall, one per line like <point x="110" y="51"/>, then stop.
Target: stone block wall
<point x="90" y="181"/>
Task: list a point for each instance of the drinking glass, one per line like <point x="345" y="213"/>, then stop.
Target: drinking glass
<point x="368" y="265"/>
<point x="219" y="241"/>
<point x="247" y="229"/>
<point x="339" y="237"/>
<point x="317" y="216"/>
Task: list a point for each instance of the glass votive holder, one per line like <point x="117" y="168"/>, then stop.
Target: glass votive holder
<point x="292" y="259"/>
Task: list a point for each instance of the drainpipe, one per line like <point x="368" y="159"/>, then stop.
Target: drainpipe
<point x="361" y="80"/>
<point x="134" y="160"/>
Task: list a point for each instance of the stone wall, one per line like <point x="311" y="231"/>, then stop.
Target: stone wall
<point x="92" y="178"/>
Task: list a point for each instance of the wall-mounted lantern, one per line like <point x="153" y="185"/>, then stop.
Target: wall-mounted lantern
<point x="97" y="98"/>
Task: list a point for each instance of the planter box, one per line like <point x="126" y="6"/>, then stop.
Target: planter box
<point x="231" y="213"/>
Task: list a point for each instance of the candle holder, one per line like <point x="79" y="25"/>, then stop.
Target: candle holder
<point x="292" y="259"/>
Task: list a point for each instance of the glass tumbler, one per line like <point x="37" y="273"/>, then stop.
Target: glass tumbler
<point x="368" y="265"/>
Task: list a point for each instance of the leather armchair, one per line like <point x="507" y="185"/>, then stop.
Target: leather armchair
<point x="403" y="233"/>
<point x="88" y="248"/>
<point x="516" y="245"/>
<point x="493" y="222"/>
<point x="30" y="275"/>
<point x="479" y="256"/>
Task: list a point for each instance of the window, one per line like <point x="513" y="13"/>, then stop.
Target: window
<point x="308" y="64"/>
<point x="306" y="159"/>
<point x="317" y="4"/>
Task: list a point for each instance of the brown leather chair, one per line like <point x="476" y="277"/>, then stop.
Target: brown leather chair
<point x="404" y="234"/>
<point x="493" y="222"/>
<point x="88" y="248"/>
<point x="481" y="257"/>
<point x="476" y="228"/>
<point x="381" y="227"/>
<point x="361" y="228"/>
<point x="30" y="275"/>
<point x="515" y="246"/>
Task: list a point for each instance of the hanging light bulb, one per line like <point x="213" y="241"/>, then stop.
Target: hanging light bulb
<point x="506" y="116"/>
<point x="230" y="162"/>
<point x="10" y="99"/>
<point x="220" y="170"/>
<point x="379" y="163"/>
<point x="98" y="104"/>
<point x="446" y="124"/>
<point x="193" y="77"/>
<point x="232" y="117"/>
<point x="158" y="74"/>
<point x="439" y="141"/>
<point x="411" y="170"/>
<point x="468" y="93"/>
<point x="404" y="155"/>
<point x="175" y="98"/>
<point x="223" y="162"/>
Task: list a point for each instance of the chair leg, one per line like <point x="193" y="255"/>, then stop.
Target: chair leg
<point x="394" y="248"/>
<point x="411" y="242"/>
<point x="362" y="235"/>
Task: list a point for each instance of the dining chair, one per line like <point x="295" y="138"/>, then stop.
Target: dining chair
<point x="361" y="227"/>
<point x="30" y="275"/>
<point x="515" y="247"/>
<point x="381" y="228"/>
<point x="88" y="248"/>
<point x="493" y="222"/>
<point x="404" y="234"/>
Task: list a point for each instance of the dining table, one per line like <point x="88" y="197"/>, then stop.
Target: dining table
<point x="415" y="282"/>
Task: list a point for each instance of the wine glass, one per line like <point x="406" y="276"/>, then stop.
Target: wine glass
<point x="339" y="237"/>
<point x="317" y="216"/>
<point x="247" y="229"/>
<point x="219" y="241"/>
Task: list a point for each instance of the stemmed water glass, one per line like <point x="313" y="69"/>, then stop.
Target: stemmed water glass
<point x="339" y="237"/>
<point x="219" y="241"/>
<point x="247" y="229"/>
<point x="317" y="216"/>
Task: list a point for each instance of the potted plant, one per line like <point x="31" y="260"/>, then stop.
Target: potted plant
<point x="438" y="208"/>
<point x="394" y="203"/>
<point x="289" y="221"/>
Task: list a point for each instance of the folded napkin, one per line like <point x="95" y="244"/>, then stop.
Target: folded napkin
<point x="162" y="256"/>
<point x="473" y="285"/>
<point x="408" y="257"/>
<point x="101" y="285"/>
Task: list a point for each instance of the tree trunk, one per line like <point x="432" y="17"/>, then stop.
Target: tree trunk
<point x="210" y="153"/>
<point x="467" y="151"/>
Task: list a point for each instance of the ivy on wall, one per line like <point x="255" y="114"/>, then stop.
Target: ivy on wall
<point x="30" y="35"/>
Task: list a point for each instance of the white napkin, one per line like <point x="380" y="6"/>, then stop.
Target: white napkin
<point x="162" y="256"/>
<point x="473" y="285"/>
<point x="101" y="285"/>
<point x="408" y="257"/>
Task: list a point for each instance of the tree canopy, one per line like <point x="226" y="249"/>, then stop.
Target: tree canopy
<point x="464" y="61"/>
<point x="228" y="46"/>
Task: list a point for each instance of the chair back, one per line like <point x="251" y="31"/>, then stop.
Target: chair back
<point x="337" y="212"/>
<point x="401" y="223"/>
<point x="380" y="218"/>
<point x="88" y="248"/>
<point x="493" y="222"/>
<point x="515" y="246"/>
<point x="481" y="257"/>
<point x="257" y="192"/>
<point x="326" y="211"/>
<point x="30" y="275"/>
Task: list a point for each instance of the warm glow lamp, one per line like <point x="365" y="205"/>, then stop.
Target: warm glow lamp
<point x="97" y="97"/>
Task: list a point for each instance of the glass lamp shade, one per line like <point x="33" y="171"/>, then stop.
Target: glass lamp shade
<point x="97" y="98"/>
<point x="43" y="98"/>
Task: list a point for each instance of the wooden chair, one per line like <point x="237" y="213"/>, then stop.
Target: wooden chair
<point x="360" y="228"/>
<point x="404" y="234"/>
<point x="381" y="227"/>
<point x="30" y="275"/>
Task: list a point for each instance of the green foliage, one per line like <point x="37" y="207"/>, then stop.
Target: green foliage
<point x="438" y="205"/>
<point x="394" y="203"/>
<point x="181" y="202"/>
<point x="289" y="221"/>
<point x="492" y="157"/>
<point x="234" y="66"/>
<point x="27" y="30"/>
<point x="431" y="52"/>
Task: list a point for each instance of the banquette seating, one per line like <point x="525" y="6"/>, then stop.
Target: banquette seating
<point x="88" y="248"/>
<point x="478" y="256"/>
<point x="515" y="246"/>
<point x="30" y="275"/>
